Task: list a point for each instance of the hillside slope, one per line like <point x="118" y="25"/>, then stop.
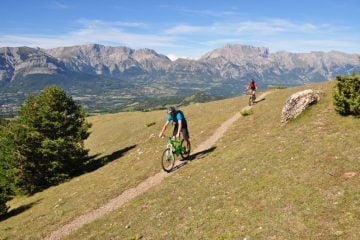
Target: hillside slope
<point x="263" y="180"/>
<point x="132" y="151"/>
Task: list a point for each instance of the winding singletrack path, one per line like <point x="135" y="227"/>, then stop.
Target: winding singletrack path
<point x="131" y="193"/>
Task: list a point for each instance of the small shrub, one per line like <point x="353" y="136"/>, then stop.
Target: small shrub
<point x="347" y="95"/>
<point x="277" y="87"/>
<point x="247" y="112"/>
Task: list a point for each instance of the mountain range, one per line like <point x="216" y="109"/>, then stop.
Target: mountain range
<point x="232" y="62"/>
<point x="102" y="70"/>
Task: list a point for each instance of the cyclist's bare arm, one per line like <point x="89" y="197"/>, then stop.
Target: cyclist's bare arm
<point x="179" y="129"/>
<point x="164" y="128"/>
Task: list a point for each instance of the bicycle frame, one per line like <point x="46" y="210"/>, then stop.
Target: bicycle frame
<point x="175" y="146"/>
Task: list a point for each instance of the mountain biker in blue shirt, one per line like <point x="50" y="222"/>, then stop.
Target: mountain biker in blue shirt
<point x="180" y="124"/>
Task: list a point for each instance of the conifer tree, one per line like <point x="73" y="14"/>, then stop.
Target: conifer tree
<point x="7" y="170"/>
<point x="49" y="139"/>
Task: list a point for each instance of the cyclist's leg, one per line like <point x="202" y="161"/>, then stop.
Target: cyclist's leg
<point x="254" y="93"/>
<point x="186" y="135"/>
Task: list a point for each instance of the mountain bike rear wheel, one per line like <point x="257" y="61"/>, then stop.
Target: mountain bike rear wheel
<point x="168" y="160"/>
<point x="252" y="99"/>
<point x="187" y="145"/>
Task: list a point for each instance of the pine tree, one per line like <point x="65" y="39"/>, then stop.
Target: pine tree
<point x="6" y="167"/>
<point x="49" y="139"/>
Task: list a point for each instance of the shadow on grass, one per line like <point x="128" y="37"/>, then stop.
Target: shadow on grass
<point x="192" y="157"/>
<point x="259" y="100"/>
<point x="18" y="210"/>
<point x="94" y="162"/>
<point x="201" y="154"/>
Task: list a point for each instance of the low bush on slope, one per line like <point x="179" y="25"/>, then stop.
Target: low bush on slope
<point x="347" y="95"/>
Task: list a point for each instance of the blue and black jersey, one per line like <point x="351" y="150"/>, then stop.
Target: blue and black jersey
<point x="179" y="116"/>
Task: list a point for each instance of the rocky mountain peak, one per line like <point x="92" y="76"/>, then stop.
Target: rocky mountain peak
<point x="237" y="54"/>
<point x="151" y="60"/>
<point x="20" y="53"/>
<point x="22" y="61"/>
<point x="145" y="53"/>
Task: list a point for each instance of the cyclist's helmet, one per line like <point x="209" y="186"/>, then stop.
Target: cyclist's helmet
<point x="252" y="80"/>
<point x="171" y="110"/>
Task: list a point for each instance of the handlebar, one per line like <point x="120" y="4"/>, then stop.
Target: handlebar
<point x="171" y="138"/>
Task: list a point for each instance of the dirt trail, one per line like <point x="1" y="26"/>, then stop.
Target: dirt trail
<point x="131" y="193"/>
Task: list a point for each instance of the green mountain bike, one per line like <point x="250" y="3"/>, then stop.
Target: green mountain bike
<point x="174" y="148"/>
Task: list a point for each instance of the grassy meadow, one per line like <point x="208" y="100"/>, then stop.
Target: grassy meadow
<point x="132" y="151"/>
<point x="263" y="180"/>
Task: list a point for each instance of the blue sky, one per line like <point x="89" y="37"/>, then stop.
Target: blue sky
<point x="183" y="28"/>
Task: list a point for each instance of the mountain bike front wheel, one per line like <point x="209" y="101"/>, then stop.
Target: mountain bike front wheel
<point x="186" y="153"/>
<point x="168" y="160"/>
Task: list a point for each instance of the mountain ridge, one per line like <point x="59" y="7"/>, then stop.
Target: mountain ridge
<point x="106" y="78"/>
<point x="230" y="62"/>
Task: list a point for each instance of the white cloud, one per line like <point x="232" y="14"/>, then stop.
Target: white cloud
<point x="270" y="26"/>
<point x="186" y="29"/>
<point x="304" y="45"/>
<point x="282" y="25"/>
<point x="207" y="12"/>
<point x="218" y="13"/>
<point x="91" y="32"/>
<point x="58" y="5"/>
<point x="185" y="40"/>
<point x="95" y="23"/>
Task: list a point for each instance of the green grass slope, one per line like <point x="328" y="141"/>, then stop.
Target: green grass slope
<point x="132" y="151"/>
<point x="263" y="180"/>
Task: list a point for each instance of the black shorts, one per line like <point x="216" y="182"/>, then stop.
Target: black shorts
<point x="184" y="131"/>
